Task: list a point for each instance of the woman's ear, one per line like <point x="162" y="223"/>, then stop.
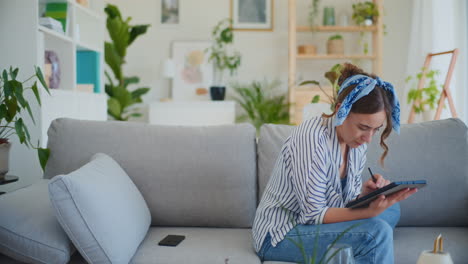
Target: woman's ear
<point x="337" y="106"/>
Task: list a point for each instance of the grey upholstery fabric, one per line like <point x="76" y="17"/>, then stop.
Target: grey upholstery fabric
<point x="184" y="173"/>
<point x="29" y="231"/>
<point x="409" y="242"/>
<point x="101" y="210"/>
<point x="436" y="151"/>
<point x="201" y="246"/>
<point x="270" y="142"/>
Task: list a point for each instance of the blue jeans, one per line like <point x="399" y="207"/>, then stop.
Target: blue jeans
<point x="372" y="239"/>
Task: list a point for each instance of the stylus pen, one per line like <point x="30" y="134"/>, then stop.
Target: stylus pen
<point x="372" y="174"/>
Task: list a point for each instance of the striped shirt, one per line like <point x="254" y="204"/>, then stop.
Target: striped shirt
<point x="306" y="181"/>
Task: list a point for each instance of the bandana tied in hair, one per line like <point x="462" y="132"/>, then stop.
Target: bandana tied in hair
<point x="365" y="85"/>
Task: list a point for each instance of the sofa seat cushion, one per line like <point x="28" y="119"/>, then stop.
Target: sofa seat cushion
<point x="101" y="210"/>
<point x="29" y="231"/>
<point x="409" y="242"/>
<point x="201" y="245"/>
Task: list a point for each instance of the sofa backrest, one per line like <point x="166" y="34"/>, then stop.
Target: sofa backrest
<point x="189" y="176"/>
<point x="436" y="151"/>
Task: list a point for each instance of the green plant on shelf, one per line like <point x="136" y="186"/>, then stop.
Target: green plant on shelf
<point x="364" y="11"/>
<point x="262" y="103"/>
<point x="313" y="12"/>
<point x="335" y="37"/>
<point x="13" y="105"/>
<point x="426" y="98"/>
<point x="122" y="34"/>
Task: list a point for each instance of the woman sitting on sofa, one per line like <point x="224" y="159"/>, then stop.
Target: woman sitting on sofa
<point x="319" y="171"/>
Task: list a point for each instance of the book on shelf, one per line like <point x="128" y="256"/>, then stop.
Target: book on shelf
<point x="58" y="11"/>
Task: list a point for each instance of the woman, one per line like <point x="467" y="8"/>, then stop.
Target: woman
<point x="319" y="171"/>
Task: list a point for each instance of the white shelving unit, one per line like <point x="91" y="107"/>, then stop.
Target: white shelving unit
<point x="24" y="47"/>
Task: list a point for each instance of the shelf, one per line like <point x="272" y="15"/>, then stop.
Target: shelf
<point x="337" y="29"/>
<point x="334" y="57"/>
<point x="54" y="34"/>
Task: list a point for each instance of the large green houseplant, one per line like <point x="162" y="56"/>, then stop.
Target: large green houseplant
<point x="13" y="106"/>
<point x="223" y="59"/>
<point x="122" y="35"/>
<point x="261" y="103"/>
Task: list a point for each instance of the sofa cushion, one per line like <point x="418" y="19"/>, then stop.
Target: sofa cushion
<point x="101" y="210"/>
<point x="201" y="245"/>
<point x="29" y="231"/>
<point x="436" y="151"/>
<point x="185" y="174"/>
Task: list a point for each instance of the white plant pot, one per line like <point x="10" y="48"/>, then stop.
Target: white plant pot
<point x="427" y="257"/>
<point x="428" y="115"/>
<point x="4" y="159"/>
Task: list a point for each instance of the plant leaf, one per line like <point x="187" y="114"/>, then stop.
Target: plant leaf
<point x="20" y="131"/>
<point x="114" y="109"/>
<point x="41" y="79"/>
<point x="136" y="94"/>
<point x="316" y="99"/>
<point x="136" y="31"/>
<point x="309" y="82"/>
<point x="36" y="93"/>
<point x="113" y="59"/>
<point x="131" y="80"/>
<point x="43" y="154"/>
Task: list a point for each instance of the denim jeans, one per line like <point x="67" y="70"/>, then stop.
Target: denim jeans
<point x="371" y="240"/>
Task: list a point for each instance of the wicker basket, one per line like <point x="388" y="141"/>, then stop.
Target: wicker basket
<point x="335" y="46"/>
<point x="307" y="49"/>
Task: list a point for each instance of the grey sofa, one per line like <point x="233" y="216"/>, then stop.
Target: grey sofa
<point x="205" y="183"/>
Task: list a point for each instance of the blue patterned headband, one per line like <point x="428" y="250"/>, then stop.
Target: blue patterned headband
<point x="365" y="85"/>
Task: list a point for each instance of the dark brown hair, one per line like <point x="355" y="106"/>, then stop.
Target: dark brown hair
<point x="376" y="101"/>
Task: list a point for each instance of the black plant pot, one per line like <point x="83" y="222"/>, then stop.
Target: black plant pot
<point x="217" y="93"/>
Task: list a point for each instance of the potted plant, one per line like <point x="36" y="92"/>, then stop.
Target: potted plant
<point x="122" y="35"/>
<point x="261" y="103"/>
<point x="222" y="59"/>
<point x="365" y="13"/>
<point x="13" y="105"/>
<point x="332" y="76"/>
<point x="335" y="44"/>
<point x="426" y="98"/>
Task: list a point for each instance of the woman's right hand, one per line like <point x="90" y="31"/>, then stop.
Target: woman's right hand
<point x="383" y="202"/>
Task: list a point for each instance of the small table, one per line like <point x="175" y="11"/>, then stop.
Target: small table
<point x="8" y="179"/>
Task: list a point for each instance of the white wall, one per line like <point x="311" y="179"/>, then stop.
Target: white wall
<point x="265" y="54"/>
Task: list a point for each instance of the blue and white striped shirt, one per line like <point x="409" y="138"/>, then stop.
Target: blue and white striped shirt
<point x="306" y="181"/>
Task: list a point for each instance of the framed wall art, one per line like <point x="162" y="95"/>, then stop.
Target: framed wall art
<point x="169" y="12"/>
<point x="193" y="73"/>
<point x="253" y="15"/>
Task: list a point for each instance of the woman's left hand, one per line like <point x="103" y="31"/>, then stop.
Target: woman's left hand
<point x="370" y="186"/>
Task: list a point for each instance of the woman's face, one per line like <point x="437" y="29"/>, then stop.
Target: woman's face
<point x="358" y="129"/>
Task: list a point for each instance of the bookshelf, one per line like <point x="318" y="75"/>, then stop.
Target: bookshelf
<point x="80" y="51"/>
<point x="300" y="96"/>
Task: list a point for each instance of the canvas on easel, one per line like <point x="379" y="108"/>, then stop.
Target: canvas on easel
<point x="445" y="93"/>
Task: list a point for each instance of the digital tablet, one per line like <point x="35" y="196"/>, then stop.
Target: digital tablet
<point x="386" y="190"/>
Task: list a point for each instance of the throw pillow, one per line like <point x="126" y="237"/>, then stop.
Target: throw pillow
<point x="29" y="230"/>
<point x="101" y="210"/>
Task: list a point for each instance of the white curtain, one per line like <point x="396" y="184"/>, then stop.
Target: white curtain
<point x="439" y="25"/>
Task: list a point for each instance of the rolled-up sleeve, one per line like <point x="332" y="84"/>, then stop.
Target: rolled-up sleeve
<point x="309" y="174"/>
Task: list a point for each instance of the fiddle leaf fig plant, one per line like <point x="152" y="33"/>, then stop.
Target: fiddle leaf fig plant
<point x="122" y="35"/>
<point x="13" y="105"/>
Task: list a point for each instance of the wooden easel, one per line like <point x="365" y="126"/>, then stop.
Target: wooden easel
<point x="445" y="93"/>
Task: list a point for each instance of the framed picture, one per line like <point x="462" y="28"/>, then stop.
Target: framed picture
<point x="169" y="12"/>
<point x="193" y="73"/>
<point x="255" y="15"/>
